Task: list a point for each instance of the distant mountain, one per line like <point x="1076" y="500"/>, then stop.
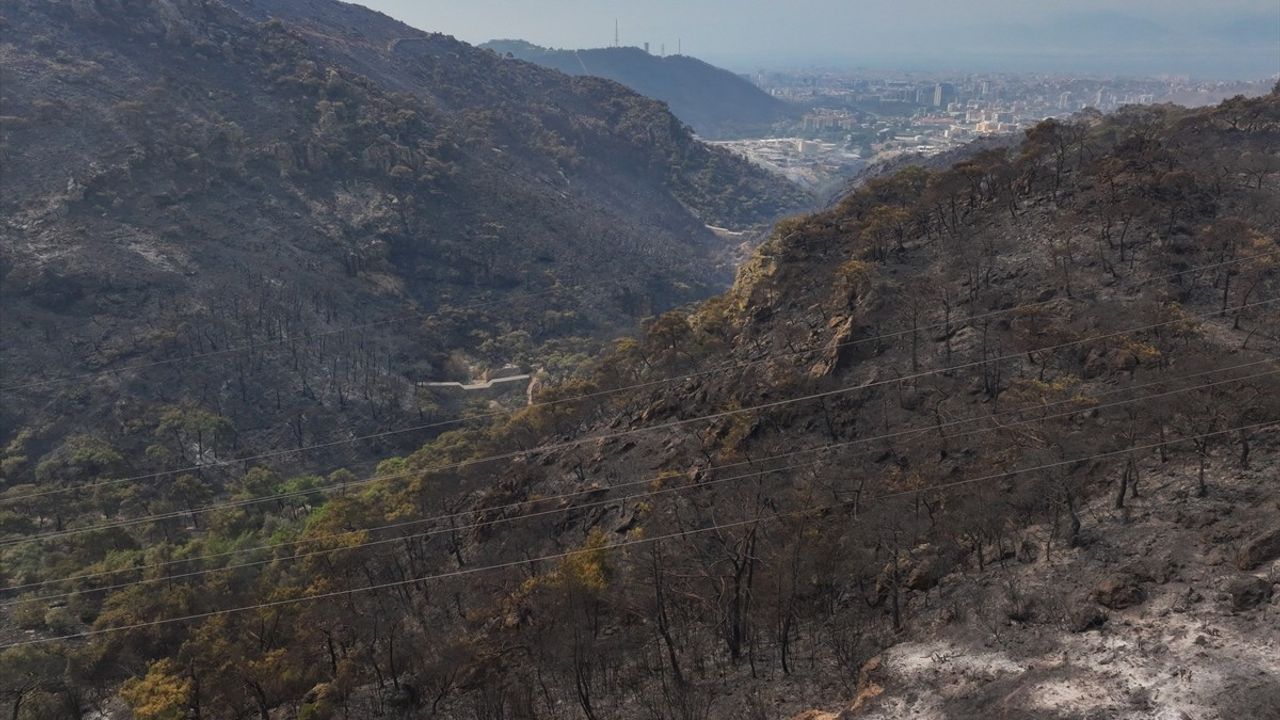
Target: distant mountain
<point x="714" y="102"/>
<point x="191" y="177"/>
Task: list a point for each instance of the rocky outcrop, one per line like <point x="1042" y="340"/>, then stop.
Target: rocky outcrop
<point x="1119" y="591"/>
<point x="1249" y="592"/>
<point x="1260" y="549"/>
<point x="1086" y="617"/>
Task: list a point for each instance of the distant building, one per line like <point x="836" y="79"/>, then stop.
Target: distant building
<point x="829" y="120"/>
<point x="943" y="94"/>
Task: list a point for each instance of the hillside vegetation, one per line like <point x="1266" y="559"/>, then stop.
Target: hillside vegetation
<point x="906" y="417"/>
<point x="715" y="102"/>
<point x="190" y="179"/>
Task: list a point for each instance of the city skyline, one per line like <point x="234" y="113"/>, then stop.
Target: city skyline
<point x="1237" y="39"/>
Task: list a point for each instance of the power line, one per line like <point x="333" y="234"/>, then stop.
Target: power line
<point x="559" y="401"/>
<point x="612" y="546"/>
<point x="304" y="337"/>
<point x="566" y="496"/>
<point x="609" y="436"/>
<point x="623" y="499"/>
<point x="481" y="416"/>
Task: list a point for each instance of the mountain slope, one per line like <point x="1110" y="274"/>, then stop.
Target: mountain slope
<point x="917" y="428"/>
<point x="187" y="177"/>
<point x="715" y="102"/>
<point x="938" y="402"/>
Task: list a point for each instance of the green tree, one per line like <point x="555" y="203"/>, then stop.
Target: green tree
<point x="162" y="694"/>
<point x="26" y="672"/>
<point x="194" y="433"/>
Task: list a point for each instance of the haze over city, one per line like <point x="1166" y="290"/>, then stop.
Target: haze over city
<point x="1221" y="39"/>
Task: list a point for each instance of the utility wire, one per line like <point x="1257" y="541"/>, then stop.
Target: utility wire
<point x="577" y="398"/>
<point x="609" y="436"/>
<point x="612" y="546"/>
<point x="623" y="499"/>
<point x="566" y="496"/>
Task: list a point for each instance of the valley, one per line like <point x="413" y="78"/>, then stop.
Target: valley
<point x="420" y="226"/>
<point x="351" y="371"/>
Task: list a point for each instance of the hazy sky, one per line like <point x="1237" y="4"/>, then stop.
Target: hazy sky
<point x="1208" y="38"/>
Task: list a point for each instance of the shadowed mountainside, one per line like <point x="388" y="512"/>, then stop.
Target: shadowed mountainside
<point x="715" y="102"/>
<point x="184" y="178"/>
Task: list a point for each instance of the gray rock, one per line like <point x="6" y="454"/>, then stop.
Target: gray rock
<point x="1087" y="617"/>
<point x="1119" y="591"/>
<point x="1249" y="592"/>
<point x="1260" y="549"/>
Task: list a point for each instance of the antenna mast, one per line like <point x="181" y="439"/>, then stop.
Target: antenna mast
<point x="616" y="41"/>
